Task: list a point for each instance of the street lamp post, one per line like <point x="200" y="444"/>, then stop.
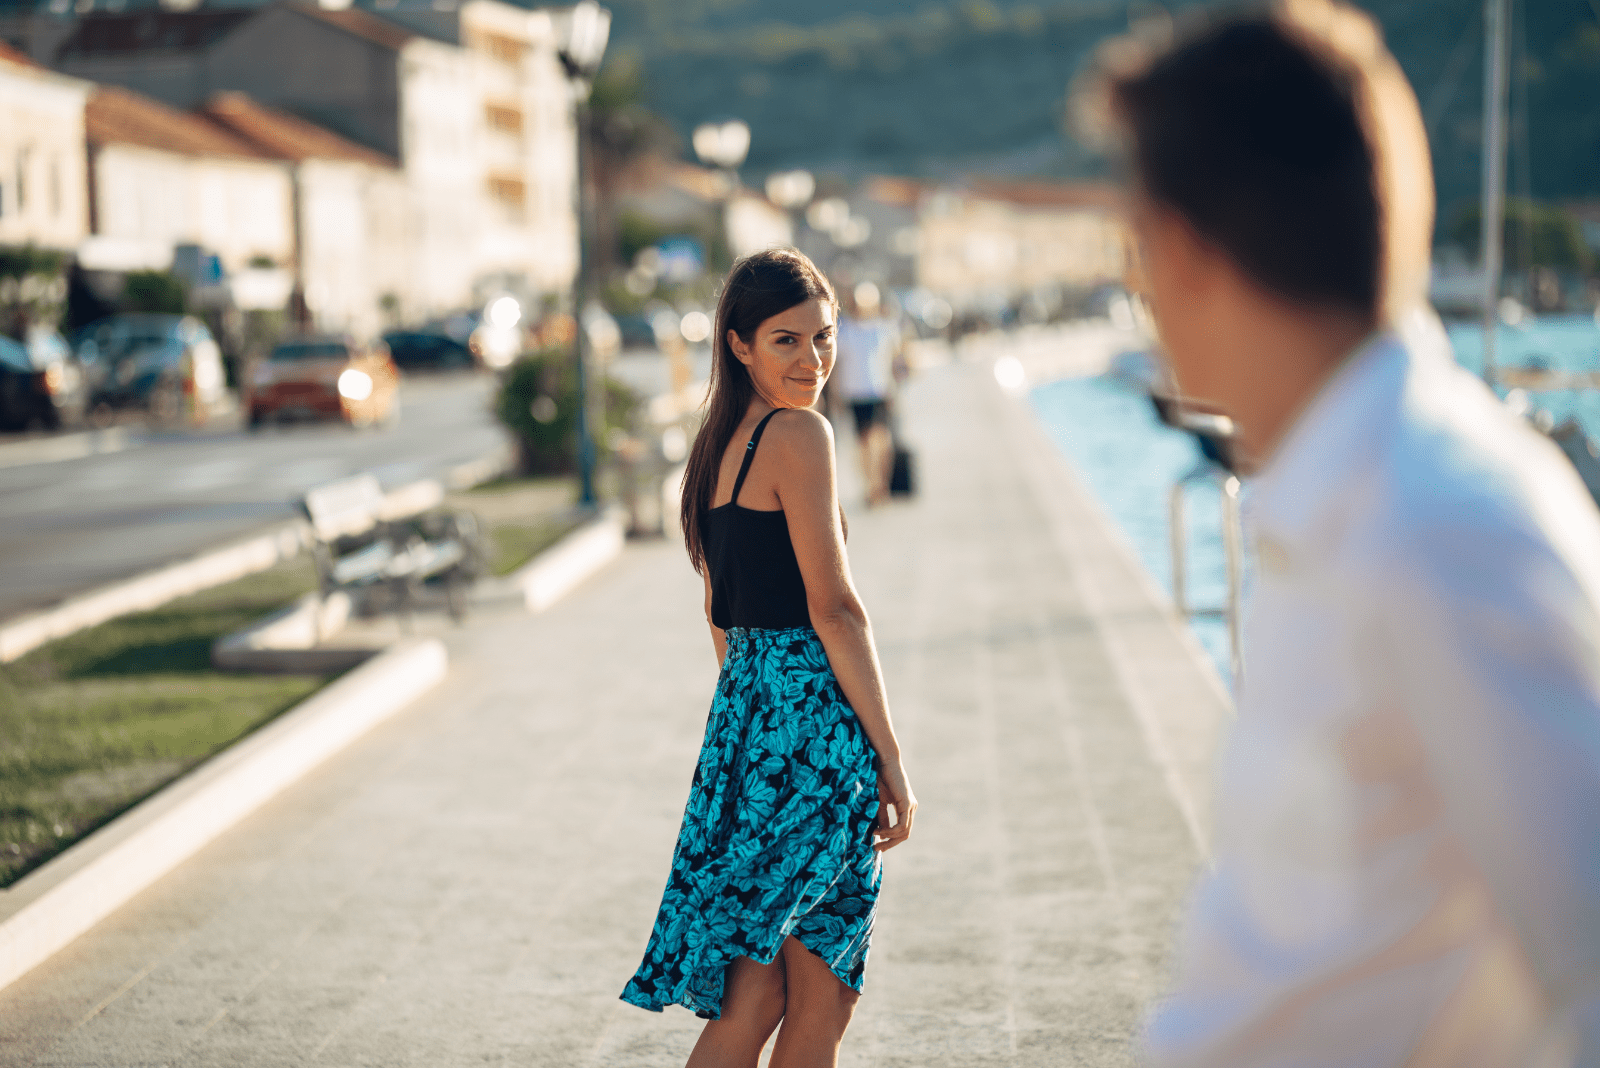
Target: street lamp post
<point x="723" y="145"/>
<point x="588" y="25"/>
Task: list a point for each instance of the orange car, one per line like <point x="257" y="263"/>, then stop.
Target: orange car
<point x="325" y="378"/>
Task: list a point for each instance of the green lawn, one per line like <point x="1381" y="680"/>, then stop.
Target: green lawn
<point x="522" y="516"/>
<point x="97" y="721"/>
<point x="512" y="545"/>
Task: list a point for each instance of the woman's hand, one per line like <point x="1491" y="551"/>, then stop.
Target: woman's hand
<point x="897" y="806"/>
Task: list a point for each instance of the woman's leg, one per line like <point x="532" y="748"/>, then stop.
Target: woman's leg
<point x="752" y="1005"/>
<point x="818" y="1009"/>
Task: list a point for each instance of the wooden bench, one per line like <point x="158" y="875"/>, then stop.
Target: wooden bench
<point x="358" y="546"/>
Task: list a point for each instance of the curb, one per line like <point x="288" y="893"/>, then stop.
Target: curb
<point x="48" y="450"/>
<point x="155" y="588"/>
<point x="151" y="589"/>
<point x="54" y="904"/>
<point x="289" y="640"/>
<point x="553" y="573"/>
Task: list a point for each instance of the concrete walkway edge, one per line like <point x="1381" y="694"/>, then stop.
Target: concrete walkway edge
<point x="58" y="447"/>
<point x="1178" y="700"/>
<point x="50" y="907"/>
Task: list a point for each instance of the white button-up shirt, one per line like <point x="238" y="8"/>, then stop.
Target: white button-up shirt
<point x="1407" y="819"/>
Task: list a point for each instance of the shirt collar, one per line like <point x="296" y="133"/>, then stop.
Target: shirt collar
<point x="1319" y="462"/>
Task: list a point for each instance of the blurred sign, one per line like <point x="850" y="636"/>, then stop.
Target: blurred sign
<point x="261" y="289"/>
<point x="682" y="259"/>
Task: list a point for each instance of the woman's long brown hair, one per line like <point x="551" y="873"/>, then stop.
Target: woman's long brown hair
<point x="760" y="286"/>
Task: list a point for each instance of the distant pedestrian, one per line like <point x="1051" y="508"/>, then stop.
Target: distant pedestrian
<point x="869" y="346"/>
<point x="1407" y="810"/>
<point x="799" y="787"/>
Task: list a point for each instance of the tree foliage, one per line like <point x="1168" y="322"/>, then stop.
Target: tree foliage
<point x="1534" y="235"/>
<point x="947" y="88"/>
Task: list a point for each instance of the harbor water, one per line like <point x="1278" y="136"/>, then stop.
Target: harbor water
<point x="1108" y="430"/>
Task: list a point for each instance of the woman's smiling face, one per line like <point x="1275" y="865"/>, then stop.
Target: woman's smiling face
<point x="791" y="354"/>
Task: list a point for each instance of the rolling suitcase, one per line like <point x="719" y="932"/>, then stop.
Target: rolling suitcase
<point x="902" y="476"/>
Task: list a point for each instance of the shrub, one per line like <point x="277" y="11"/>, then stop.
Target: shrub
<point x="538" y="403"/>
<point x="161" y="292"/>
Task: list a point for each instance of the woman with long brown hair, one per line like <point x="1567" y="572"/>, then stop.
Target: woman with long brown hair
<point x="799" y="788"/>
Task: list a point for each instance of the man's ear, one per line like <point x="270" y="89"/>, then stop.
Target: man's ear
<point x="741" y="351"/>
<point x="1191" y="260"/>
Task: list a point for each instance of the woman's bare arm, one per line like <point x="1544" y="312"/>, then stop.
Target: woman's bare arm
<point x="802" y="446"/>
<point x="718" y="638"/>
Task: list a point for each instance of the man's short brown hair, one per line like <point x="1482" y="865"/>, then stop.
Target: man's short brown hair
<point x="1289" y="137"/>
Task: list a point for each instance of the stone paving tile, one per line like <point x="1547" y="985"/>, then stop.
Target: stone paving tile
<point x="474" y="881"/>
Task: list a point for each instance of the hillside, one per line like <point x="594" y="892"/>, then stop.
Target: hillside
<point x="942" y="89"/>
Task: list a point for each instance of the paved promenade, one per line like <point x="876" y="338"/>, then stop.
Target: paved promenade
<point x="472" y="883"/>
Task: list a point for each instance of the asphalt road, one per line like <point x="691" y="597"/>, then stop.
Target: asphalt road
<point x="76" y="524"/>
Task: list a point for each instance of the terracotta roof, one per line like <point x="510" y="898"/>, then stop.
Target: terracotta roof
<point x="701" y="182"/>
<point x="1049" y="194"/>
<point x="283" y="135"/>
<point x="896" y="192"/>
<point x="360" y="23"/>
<point x="11" y="55"/>
<point x="122" y="117"/>
<point x="152" y="30"/>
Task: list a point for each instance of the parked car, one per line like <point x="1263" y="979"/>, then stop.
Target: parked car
<point x="41" y="383"/>
<point x="166" y="365"/>
<point x="325" y="377"/>
<point x="426" y="351"/>
<point x="636" y="332"/>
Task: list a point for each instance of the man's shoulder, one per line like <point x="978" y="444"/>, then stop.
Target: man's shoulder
<point x="1459" y="484"/>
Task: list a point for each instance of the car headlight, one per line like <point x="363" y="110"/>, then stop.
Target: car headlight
<point x="355" y="385"/>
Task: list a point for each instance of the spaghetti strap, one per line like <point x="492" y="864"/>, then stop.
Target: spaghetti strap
<point x="750" y="454"/>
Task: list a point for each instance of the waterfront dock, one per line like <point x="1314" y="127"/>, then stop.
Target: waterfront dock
<point x="474" y="881"/>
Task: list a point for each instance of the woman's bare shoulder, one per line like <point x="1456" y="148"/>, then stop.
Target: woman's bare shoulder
<point x="801" y="432"/>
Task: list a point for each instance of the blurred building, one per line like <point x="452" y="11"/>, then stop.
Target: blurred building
<point x="43" y="188"/>
<point x="355" y="263"/>
<point x="471" y="102"/>
<point x="993" y="244"/>
<point x="162" y="178"/>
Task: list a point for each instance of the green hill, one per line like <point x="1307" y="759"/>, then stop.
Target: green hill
<point x="944" y="89"/>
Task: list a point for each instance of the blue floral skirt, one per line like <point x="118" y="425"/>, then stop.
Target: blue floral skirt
<point x="777" y="835"/>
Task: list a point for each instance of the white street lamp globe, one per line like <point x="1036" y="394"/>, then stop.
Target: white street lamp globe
<point x="722" y="144"/>
<point x="588" y="29"/>
<point x="828" y="214"/>
<point x="791" y="189"/>
<point x="707" y="140"/>
<point x="735" y="143"/>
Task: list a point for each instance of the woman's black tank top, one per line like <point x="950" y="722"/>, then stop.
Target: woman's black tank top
<point x="755" y="578"/>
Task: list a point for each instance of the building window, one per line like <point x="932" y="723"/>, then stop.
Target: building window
<point x="510" y="194"/>
<point x="22" y="180"/>
<point x="504" y="119"/>
<point x="505" y="49"/>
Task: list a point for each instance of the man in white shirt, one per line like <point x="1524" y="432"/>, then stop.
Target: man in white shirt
<point x="1407" y="820"/>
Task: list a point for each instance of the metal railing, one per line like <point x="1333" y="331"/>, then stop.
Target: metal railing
<point x="1232" y="548"/>
<point x="1215" y="434"/>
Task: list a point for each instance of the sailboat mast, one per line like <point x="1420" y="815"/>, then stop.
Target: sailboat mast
<point x="1496" y="20"/>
